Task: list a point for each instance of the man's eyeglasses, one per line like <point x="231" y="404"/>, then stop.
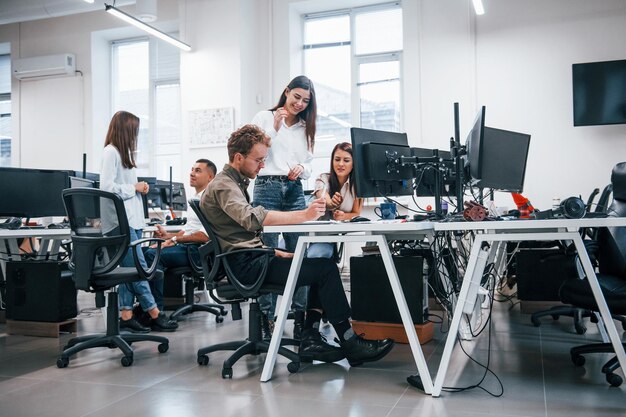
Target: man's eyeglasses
<point x="259" y="161"/>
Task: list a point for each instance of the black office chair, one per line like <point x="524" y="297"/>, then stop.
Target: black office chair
<point x="610" y="252"/>
<point x="192" y="276"/>
<point x="100" y="240"/>
<point x="578" y="314"/>
<point x="226" y="288"/>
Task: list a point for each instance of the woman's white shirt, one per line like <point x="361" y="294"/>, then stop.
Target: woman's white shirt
<point x="289" y="146"/>
<point x="348" y="199"/>
<point x="121" y="181"/>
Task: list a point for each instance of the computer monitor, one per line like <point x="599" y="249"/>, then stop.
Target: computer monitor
<point x="32" y="193"/>
<point x="76" y="182"/>
<point x="496" y="158"/>
<point x="504" y="158"/>
<point x="473" y="145"/>
<point x="179" y="196"/>
<point x="377" y="168"/>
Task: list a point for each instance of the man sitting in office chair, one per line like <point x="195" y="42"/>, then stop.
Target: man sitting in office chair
<point x="172" y="254"/>
<point x="237" y="225"/>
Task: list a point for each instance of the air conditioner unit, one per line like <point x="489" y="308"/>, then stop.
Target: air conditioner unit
<point x="44" y="66"/>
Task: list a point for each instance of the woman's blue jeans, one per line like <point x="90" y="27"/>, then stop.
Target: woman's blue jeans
<point x="280" y="194"/>
<point x="139" y="289"/>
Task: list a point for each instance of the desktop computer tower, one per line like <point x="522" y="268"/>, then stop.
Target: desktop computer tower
<point x="40" y="291"/>
<point x="371" y="296"/>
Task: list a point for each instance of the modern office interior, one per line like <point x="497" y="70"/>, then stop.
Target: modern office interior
<point x="66" y="66"/>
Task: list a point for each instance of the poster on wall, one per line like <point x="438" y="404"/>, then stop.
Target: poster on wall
<point x="210" y="127"/>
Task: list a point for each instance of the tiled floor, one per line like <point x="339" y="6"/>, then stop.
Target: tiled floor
<point x="532" y="363"/>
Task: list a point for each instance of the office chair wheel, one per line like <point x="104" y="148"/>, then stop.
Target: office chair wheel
<point x="203" y="360"/>
<point x="578" y="360"/>
<point x="219" y="319"/>
<point x="227" y="373"/>
<point x="224" y="312"/>
<point x="535" y="321"/>
<point x="293" y="367"/>
<point x="163" y="347"/>
<point x="127" y="361"/>
<point x="63" y="362"/>
<point x="613" y="379"/>
<point x="580" y="328"/>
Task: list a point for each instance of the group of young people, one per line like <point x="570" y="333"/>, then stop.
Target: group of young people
<point x="275" y="150"/>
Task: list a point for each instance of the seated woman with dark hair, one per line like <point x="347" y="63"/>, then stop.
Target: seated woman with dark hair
<point x="338" y="189"/>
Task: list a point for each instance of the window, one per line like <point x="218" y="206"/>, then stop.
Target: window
<point x="145" y="82"/>
<point x="5" y="110"/>
<point x="354" y="58"/>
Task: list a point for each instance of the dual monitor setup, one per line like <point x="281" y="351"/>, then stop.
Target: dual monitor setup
<point x="33" y="193"/>
<point x="385" y="165"/>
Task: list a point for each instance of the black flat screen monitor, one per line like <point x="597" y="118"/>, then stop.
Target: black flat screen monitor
<point x="503" y="164"/>
<point x="376" y="168"/>
<point x="179" y="196"/>
<point x="496" y="158"/>
<point x="474" y="147"/>
<point x="599" y="91"/>
<point x="32" y="193"/>
<point x="425" y="174"/>
<point x="76" y="182"/>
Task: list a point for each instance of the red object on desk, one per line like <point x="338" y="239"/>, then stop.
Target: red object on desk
<point x="523" y="205"/>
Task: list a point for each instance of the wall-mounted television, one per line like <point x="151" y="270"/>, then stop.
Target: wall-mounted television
<point x="599" y="90"/>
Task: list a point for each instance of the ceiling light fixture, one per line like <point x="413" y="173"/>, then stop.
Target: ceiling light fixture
<point x="478" y="7"/>
<point x="147" y="28"/>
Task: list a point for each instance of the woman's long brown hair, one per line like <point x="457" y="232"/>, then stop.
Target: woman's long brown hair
<point x="123" y="132"/>
<point x="309" y="115"/>
<point x="333" y="181"/>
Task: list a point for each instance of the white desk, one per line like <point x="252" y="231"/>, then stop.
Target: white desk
<point x="379" y="232"/>
<point x="520" y="230"/>
<point x="50" y="241"/>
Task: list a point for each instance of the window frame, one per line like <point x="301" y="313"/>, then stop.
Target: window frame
<point x="357" y="60"/>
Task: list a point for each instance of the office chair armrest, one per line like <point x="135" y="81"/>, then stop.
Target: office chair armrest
<point x="247" y="290"/>
<point x="197" y="267"/>
<point x="146" y="273"/>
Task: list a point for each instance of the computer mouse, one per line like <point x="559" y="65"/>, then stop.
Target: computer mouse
<point x="359" y="219"/>
<point x="54" y="226"/>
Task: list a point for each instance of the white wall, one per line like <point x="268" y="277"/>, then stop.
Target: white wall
<point x="524" y="55"/>
<point x="84" y="132"/>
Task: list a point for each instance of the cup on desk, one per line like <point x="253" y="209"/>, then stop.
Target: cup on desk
<point x="386" y="210"/>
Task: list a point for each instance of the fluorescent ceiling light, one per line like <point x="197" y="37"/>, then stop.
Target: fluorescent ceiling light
<point x="147" y="28"/>
<point x="478" y="7"/>
<point x="88" y="1"/>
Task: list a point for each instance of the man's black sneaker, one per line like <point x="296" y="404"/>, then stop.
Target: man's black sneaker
<point x="133" y="326"/>
<point x="359" y="350"/>
<point x="163" y="324"/>
<point x="141" y="316"/>
<point x="313" y="347"/>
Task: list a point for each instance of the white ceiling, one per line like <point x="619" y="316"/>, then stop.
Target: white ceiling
<point x="12" y="11"/>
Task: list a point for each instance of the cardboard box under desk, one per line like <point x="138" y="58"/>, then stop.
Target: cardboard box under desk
<point x="375" y="330"/>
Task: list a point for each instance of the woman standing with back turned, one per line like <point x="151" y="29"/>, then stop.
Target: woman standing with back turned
<point x="291" y="126"/>
<point x="118" y="175"/>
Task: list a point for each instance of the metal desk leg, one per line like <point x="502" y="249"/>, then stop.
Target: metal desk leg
<point x="609" y="324"/>
<point x="283" y="310"/>
<point x="456" y="318"/>
<point x="418" y="355"/>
